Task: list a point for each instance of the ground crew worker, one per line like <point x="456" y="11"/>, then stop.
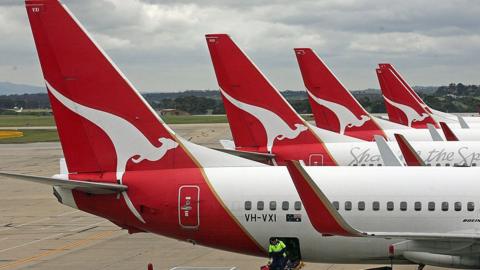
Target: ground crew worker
<point x="277" y="253"/>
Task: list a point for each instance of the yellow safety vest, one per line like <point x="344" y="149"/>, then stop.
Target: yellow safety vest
<point x="277" y="248"/>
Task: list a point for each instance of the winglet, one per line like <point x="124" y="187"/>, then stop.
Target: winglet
<point x="388" y="156"/>
<point x="448" y="132"/>
<point x="322" y="214"/>
<point x="409" y="154"/>
<point x="434" y="133"/>
<point x="462" y="122"/>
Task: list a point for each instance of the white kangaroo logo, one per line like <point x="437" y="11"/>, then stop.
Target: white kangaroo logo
<point x="129" y="142"/>
<point x="274" y="126"/>
<point x="345" y="117"/>
<point x="411" y="114"/>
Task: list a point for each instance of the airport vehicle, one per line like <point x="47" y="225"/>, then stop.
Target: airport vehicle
<point x="266" y="128"/>
<point x="334" y="107"/>
<point x="404" y="105"/>
<point x="126" y="165"/>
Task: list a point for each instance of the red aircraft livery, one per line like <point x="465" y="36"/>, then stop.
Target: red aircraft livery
<point x="402" y="106"/>
<point x="334" y="108"/>
<point x="107" y="141"/>
<point x="251" y="101"/>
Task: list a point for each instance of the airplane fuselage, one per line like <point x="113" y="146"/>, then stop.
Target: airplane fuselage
<point x="263" y="203"/>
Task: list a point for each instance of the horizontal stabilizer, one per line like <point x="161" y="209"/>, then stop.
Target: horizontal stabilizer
<point x="388" y="156"/>
<point x="448" y="132"/>
<point x="85" y="186"/>
<point x="255" y="156"/>
<point x="436" y="137"/>
<point x="409" y="154"/>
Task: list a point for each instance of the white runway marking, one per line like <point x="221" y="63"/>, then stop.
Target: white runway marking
<point x="39" y="220"/>
<point x="31" y="242"/>
<point x="50" y="236"/>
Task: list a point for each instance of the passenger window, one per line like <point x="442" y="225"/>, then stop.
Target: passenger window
<point x="390" y="206"/>
<point x="417" y="206"/>
<point x="285" y="205"/>
<point x="348" y="205"/>
<point x="470" y="206"/>
<point x="336" y="205"/>
<point x="431" y="206"/>
<point x="444" y="206"/>
<point x="457" y="206"/>
<point x="376" y="206"/>
<point x="273" y="205"/>
<point x="403" y="206"/>
<point x="260" y="205"/>
<point x="297" y="205"/>
<point x="361" y="205"/>
<point x="248" y="205"/>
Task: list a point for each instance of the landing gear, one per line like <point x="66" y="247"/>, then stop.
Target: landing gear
<point x="420" y="266"/>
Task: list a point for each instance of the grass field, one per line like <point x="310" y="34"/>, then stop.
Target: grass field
<point x="38" y="121"/>
<point x="25" y="120"/>
<point x="34" y="135"/>
<point x="50" y="135"/>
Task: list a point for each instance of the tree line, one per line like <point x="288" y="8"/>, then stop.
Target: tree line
<point x="451" y="98"/>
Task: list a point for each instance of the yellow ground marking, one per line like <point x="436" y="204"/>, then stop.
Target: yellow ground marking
<point x="10" y="134"/>
<point x="91" y="238"/>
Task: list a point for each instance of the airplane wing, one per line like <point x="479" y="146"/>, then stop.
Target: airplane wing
<point x="448" y="132"/>
<point x="388" y="156"/>
<point x="409" y="154"/>
<point x="328" y="221"/>
<point x="228" y="144"/>
<point x="85" y="186"/>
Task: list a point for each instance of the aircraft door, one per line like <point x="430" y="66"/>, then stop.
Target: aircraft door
<point x="189" y="207"/>
<point x="315" y="160"/>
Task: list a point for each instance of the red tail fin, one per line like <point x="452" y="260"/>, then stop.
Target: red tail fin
<point x="406" y="85"/>
<point x="402" y="107"/>
<point x="259" y="116"/>
<point x="449" y="134"/>
<point x="333" y="106"/>
<point x="103" y="123"/>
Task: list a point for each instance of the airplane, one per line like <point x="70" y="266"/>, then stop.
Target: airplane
<point x="404" y="105"/>
<point x="126" y="165"/>
<point x="334" y="107"/>
<point x="438" y="228"/>
<point x="266" y="128"/>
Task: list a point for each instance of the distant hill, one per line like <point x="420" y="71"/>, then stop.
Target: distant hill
<point x="7" y="88"/>
<point x="451" y="98"/>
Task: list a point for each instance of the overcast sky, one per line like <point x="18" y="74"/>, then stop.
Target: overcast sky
<point x="160" y="45"/>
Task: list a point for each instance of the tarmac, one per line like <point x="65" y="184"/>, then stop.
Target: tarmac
<point x="37" y="232"/>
